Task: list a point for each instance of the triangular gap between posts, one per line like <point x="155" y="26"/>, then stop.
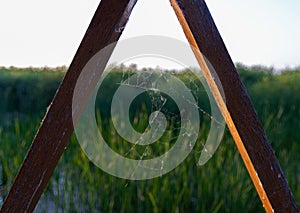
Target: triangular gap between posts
<point x="202" y="34"/>
<point x="149" y="19"/>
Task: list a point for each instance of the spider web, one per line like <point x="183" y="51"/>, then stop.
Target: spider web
<point x="147" y="106"/>
<point x="143" y="123"/>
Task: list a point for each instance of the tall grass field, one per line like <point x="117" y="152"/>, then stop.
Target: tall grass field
<point x="77" y="185"/>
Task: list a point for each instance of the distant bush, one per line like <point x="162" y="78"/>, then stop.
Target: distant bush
<point x="275" y="96"/>
<point x="28" y="90"/>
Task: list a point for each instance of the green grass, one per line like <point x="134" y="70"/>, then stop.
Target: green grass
<point x="221" y="185"/>
<point x="77" y="185"/>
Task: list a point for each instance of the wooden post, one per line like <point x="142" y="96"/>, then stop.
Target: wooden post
<point x="238" y="111"/>
<point x="52" y="137"/>
<point x="105" y="28"/>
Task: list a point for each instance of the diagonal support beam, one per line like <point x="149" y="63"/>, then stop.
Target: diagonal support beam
<point x="106" y="27"/>
<point x="53" y="136"/>
<point x="238" y="111"/>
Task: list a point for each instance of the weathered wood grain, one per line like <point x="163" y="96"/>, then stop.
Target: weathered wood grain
<point x="57" y="127"/>
<point x="238" y="110"/>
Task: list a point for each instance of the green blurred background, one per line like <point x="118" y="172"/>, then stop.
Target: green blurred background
<point x="221" y="185"/>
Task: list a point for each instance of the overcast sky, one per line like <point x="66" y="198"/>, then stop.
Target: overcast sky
<point x="48" y="33"/>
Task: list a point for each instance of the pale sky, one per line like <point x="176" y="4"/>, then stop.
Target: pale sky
<point x="48" y="33"/>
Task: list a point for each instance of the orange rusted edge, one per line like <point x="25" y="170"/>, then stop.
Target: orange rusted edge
<point x="222" y="106"/>
<point x="206" y="39"/>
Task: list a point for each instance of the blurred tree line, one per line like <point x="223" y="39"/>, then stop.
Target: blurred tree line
<point x="275" y="96"/>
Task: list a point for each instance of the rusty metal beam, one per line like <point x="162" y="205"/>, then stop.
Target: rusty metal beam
<point x="238" y="111"/>
<point x="55" y="131"/>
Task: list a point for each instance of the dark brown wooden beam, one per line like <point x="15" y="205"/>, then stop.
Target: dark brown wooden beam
<point x="53" y="135"/>
<point x="238" y="110"/>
